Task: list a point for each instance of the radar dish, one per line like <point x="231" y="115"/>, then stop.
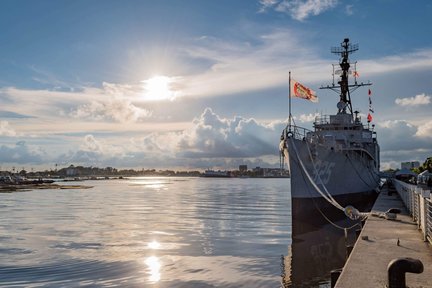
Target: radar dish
<point x="341" y="105"/>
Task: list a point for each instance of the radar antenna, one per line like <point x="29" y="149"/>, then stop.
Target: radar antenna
<point x="344" y="88"/>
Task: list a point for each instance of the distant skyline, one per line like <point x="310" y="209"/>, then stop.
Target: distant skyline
<point x="201" y="84"/>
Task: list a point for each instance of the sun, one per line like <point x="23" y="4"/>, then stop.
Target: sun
<point x="159" y="88"/>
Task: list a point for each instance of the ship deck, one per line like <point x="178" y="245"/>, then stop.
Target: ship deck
<point x="368" y="262"/>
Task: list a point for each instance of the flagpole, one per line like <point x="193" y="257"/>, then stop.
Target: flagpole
<point x="289" y="102"/>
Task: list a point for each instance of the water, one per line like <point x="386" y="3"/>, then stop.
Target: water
<point x="147" y="232"/>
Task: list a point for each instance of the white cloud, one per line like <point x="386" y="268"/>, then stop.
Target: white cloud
<point x="232" y="67"/>
<point x="421" y="99"/>
<point x="211" y="141"/>
<point x="238" y="66"/>
<point x="119" y="110"/>
<point x="21" y="153"/>
<point x="349" y="10"/>
<point x="6" y="129"/>
<point x="267" y="4"/>
<point x="212" y="137"/>
<point x="298" y="9"/>
<point x="402" y="141"/>
<point x="417" y="60"/>
<point x="425" y="130"/>
<point x="90" y="144"/>
<point x="308" y="117"/>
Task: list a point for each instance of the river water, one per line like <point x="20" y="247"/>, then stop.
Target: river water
<point x="147" y="232"/>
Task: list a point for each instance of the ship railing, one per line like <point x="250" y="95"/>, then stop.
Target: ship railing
<point x="322" y="119"/>
<point x="296" y="131"/>
<point x="418" y="201"/>
<point x="325" y="119"/>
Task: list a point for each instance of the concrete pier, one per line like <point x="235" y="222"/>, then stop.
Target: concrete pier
<point x="383" y="240"/>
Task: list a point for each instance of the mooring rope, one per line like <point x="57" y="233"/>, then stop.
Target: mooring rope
<point x="322" y="213"/>
<point x="319" y="176"/>
<point x="349" y="210"/>
<point x="331" y="200"/>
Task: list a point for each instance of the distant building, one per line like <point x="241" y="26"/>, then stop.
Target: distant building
<point x="258" y="171"/>
<point x="410" y="165"/>
<point x="242" y="168"/>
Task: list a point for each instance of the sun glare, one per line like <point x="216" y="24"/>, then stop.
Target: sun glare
<point x="159" y="88"/>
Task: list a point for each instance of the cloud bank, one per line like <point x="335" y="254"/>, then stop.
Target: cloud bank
<point x="403" y="141"/>
<point x="298" y="9"/>
<point x="211" y="141"/>
<point x="421" y="99"/>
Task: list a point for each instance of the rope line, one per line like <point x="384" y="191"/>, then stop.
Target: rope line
<point x="350" y="211"/>
<point x="330" y="200"/>
<point x="322" y="213"/>
<point x="319" y="177"/>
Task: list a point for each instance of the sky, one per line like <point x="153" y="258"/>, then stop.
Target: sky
<point x="197" y="84"/>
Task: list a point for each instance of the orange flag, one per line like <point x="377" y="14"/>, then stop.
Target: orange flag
<point x="301" y="91"/>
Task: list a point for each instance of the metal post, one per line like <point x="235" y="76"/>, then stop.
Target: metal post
<point x="289" y="102"/>
<point x="398" y="267"/>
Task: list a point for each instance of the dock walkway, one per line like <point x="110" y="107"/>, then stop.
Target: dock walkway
<point x="367" y="264"/>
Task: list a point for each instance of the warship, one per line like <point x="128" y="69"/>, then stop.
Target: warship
<point x="334" y="167"/>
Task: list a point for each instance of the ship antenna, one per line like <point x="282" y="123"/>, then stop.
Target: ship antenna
<point x="344" y="89"/>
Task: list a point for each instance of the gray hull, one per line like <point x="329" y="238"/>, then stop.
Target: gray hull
<point x="349" y="176"/>
<point x="340" y="172"/>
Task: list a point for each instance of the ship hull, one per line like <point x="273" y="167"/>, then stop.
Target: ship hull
<point x="349" y="176"/>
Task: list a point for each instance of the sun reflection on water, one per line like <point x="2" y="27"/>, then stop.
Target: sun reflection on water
<point x="154" y="266"/>
<point x="154" y="245"/>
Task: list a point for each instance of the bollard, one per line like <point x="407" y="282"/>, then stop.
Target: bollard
<point x="398" y="267"/>
<point x="334" y="276"/>
<point x="393" y="210"/>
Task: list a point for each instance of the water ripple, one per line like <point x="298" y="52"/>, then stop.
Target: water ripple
<point x="182" y="232"/>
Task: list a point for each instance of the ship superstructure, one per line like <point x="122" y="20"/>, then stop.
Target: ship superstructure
<point x="336" y="164"/>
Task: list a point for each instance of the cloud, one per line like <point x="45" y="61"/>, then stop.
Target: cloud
<point x="421" y="99"/>
<point x="119" y="110"/>
<point x="210" y="141"/>
<point x="213" y="136"/>
<point x="10" y="114"/>
<point x="298" y="9"/>
<point x="420" y="59"/>
<point x="94" y="152"/>
<point x="6" y="129"/>
<point x="90" y="144"/>
<point x="403" y="141"/>
<point x="349" y="10"/>
<point x="238" y="66"/>
<point x="263" y="61"/>
<point x="21" y="153"/>
<point x="267" y="4"/>
<point x="308" y="117"/>
<point x="226" y="67"/>
<point x="425" y="130"/>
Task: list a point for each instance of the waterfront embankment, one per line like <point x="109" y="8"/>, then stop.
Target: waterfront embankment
<point x="382" y="240"/>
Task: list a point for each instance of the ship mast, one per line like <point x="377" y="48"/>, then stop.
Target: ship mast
<point x="344" y="89"/>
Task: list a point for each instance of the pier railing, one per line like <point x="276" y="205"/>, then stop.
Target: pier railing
<point x="418" y="201"/>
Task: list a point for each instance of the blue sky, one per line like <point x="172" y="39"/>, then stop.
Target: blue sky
<point x="201" y="84"/>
